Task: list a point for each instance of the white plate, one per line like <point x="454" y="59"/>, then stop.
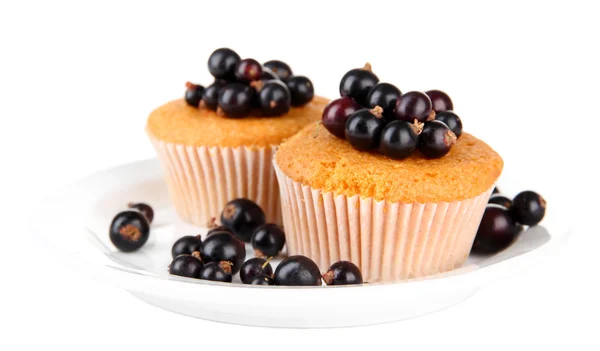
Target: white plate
<point x="73" y="223"/>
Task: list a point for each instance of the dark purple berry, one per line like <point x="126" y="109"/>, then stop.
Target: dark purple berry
<point x="211" y="94"/>
<point x="452" y="120"/>
<point x="280" y="68"/>
<point x="242" y="216"/>
<point x="253" y="267"/>
<point x="219" y="229"/>
<point x="440" y="101"/>
<point x="274" y="98"/>
<point x="301" y="89"/>
<point x="384" y="95"/>
<point x="436" y="139"/>
<point x="399" y="139"/>
<point x="224" y="247"/>
<point x="343" y="273"/>
<point x="235" y="100"/>
<point x="268" y="240"/>
<point x="222" y="62"/>
<point x="363" y="128"/>
<point x="497" y="230"/>
<point x="357" y="83"/>
<point x="248" y="70"/>
<point x="186" y="245"/>
<point x="413" y="105"/>
<point x="193" y="94"/>
<point x="145" y="209"/>
<point x="297" y="271"/>
<point x="216" y="271"/>
<point x="267" y="74"/>
<point x="500" y="200"/>
<point x="186" y="266"/>
<point x="129" y="230"/>
<point x="528" y="208"/>
<point x="336" y="114"/>
<point x="262" y="279"/>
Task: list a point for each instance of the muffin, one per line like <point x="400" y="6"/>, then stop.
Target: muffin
<point x="395" y="219"/>
<point x="214" y="150"/>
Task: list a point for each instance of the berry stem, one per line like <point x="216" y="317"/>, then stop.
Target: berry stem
<point x="451" y="138"/>
<point x="328" y="277"/>
<point x="417" y="126"/>
<point x="431" y="116"/>
<point x="196" y="254"/>
<point x="190" y="85"/>
<point x="377" y="111"/>
<point x="226" y="265"/>
<point x="266" y="262"/>
<point x="367" y="67"/>
<point x="257" y="84"/>
<point x="212" y="223"/>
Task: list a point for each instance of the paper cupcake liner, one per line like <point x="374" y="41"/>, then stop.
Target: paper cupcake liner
<point x="201" y="180"/>
<point x="388" y="241"/>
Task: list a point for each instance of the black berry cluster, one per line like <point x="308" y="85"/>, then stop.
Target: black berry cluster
<point x="373" y="115"/>
<point x="245" y="87"/>
<point x="504" y="218"/>
<point x="130" y="229"/>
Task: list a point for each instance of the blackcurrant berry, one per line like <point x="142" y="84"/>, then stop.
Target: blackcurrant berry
<point x="452" y="120"/>
<point x="253" y="267"/>
<point x="267" y="74"/>
<point x="248" y="70"/>
<point x="222" y="62"/>
<point x="145" y="209"/>
<point x="219" y="229"/>
<point x="262" y="279"/>
<point x="235" y="100"/>
<point x="436" y="139"/>
<point x="497" y="230"/>
<point x="440" y="101"/>
<point x="211" y="94"/>
<point x="336" y="114"/>
<point x="399" y="139"/>
<point x="384" y="95"/>
<point x="343" y="273"/>
<point x="224" y="247"/>
<point x="528" y="208"/>
<point x="301" y="89"/>
<point x="500" y="200"/>
<point x="186" y="266"/>
<point x="413" y="105"/>
<point x="193" y="94"/>
<point x="297" y="270"/>
<point x="216" y="271"/>
<point x="129" y="230"/>
<point x="268" y="240"/>
<point x="280" y="68"/>
<point x="242" y="216"/>
<point x="357" y="83"/>
<point x="186" y="245"/>
<point x="363" y="128"/>
<point x="274" y="97"/>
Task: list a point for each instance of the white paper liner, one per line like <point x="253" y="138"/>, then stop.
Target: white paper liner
<point x="201" y="180"/>
<point x="388" y="241"/>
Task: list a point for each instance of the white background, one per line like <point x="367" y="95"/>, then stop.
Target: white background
<point x="77" y="81"/>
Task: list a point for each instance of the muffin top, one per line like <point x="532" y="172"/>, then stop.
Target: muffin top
<point x="177" y="122"/>
<point x="316" y="158"/>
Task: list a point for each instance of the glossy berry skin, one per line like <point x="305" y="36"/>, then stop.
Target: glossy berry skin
<point x="254" y="267"/>
<point x="224" y="247"/>
<point x="336" y="114"/>
<point x="297" y="271"/>
<point x="218" y="230"/>
<point x="262" y="279"/>
<point x="357" y="83"/>
<point x="129" y="230"/>
<point x="267" y="74"/>
<point x="413" y="105"/>
<point x="268" y="240"/>
<point x="186" y="266"/>
<point x="398" y="140"/>
<point x="211" y="94"/>
<point x="193" y="94"/>
<point x="235" y="99"/>
<point x="436" y="139"/>
<point x="497" y="230"/>
<point x="440" y="101"/>
<point x="275" y="98"/>
<point x="343" y="273"/>
<point x="214" y="271"/>
<point x="248" y="70"/>
<point x="452" y="120"/>
<point x="500" y="200"/>
<point x="145" y="209"/>
<point x="301" y="89"/>
<point x="242" y="217"/>
<point x="384" y="95"/>
<point x="528" y="208"/>
<point x="186" y="245"/>
<point x="363" y="130"/>
<point x="280" y="68"/>
<point x="222" y="63"/>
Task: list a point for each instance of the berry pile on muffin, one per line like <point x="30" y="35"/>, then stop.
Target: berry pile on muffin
<point x="244" y="87"/>
<point x="373" y="115"/>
